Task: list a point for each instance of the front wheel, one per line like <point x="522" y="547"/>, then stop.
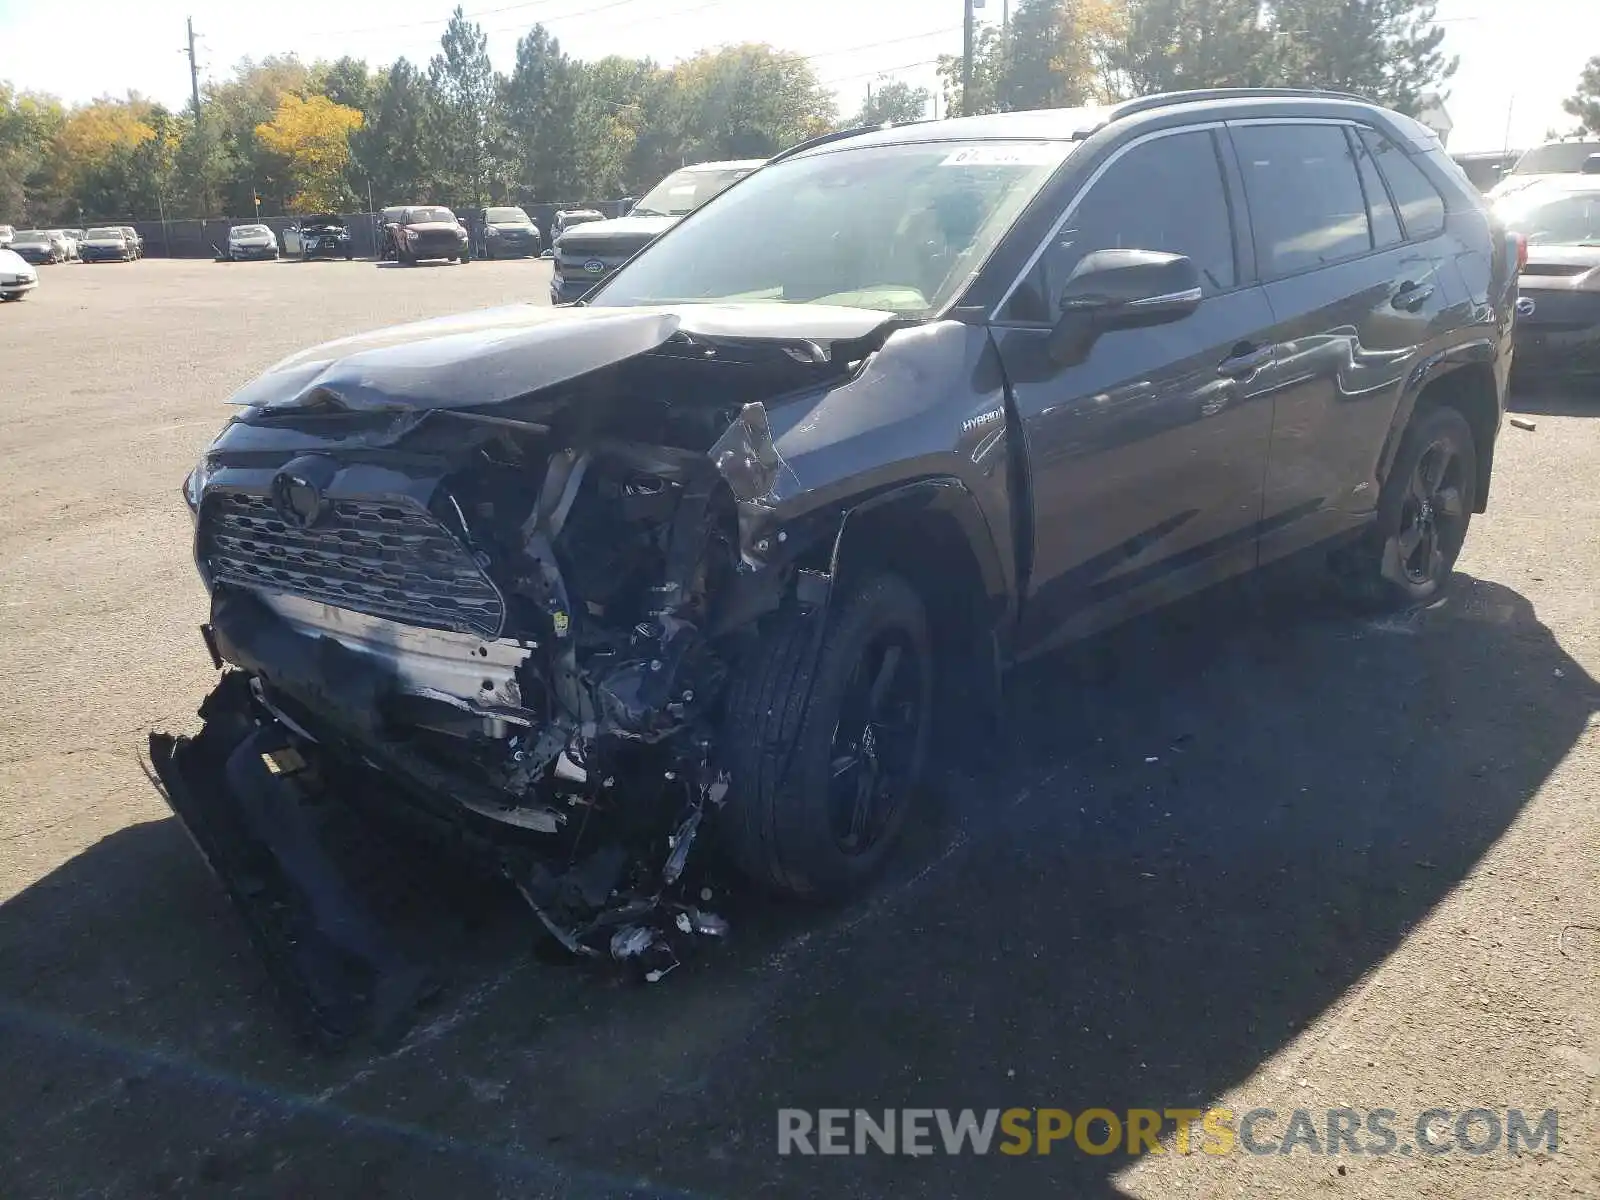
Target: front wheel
<point x="827" y="753"/>
<point x="1423" y="513"/>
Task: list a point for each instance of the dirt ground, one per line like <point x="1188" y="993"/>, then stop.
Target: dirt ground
<point x="1252" y="853"/>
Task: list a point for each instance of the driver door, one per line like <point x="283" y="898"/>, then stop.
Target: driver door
<point x="1145" y="459"/>
<point x="291" y="238"/>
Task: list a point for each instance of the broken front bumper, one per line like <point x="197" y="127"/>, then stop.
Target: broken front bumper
<point x="236" y="790"/>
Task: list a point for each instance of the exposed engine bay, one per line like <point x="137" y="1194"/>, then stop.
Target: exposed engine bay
<point x="514" y="624"/>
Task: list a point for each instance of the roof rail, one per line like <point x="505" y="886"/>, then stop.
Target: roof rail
<point x="810" y="143"/>
<point x="1165" y="99"/>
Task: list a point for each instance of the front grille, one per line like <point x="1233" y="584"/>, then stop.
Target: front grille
<point x="384" y="559"/>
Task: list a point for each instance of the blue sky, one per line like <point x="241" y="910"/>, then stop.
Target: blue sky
<point x="1517" y="60"/>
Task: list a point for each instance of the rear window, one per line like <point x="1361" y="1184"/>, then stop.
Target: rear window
<point x="1421" y="206"/>
<point x="1306" y="204"/>
<point x="1558" y="158"/>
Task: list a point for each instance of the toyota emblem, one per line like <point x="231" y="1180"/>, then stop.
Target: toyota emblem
<point x="594" y="266"/>
<point x="1525" y="306"/>
<point x="297" y="499"/>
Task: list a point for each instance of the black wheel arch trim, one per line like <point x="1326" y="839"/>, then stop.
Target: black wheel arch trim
<point x="1478" y="352"/>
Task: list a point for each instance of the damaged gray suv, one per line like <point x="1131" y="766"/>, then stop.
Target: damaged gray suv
<point x="699" y="570"/>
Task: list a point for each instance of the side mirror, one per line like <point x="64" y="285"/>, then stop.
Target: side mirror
<point x="1591" y="165"/>
<point x="1121" y="289"/>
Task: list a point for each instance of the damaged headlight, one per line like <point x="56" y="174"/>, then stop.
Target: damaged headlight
<point x="194" y="486"/>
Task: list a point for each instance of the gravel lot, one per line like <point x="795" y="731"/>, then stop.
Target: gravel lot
<point x="1253" y="853"/>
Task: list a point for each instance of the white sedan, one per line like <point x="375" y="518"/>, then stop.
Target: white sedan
<point x="17" y="277"/>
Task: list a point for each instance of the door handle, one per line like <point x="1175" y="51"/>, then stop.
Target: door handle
<point x="1411" y="295"/>
<point x="1246" y="359"/>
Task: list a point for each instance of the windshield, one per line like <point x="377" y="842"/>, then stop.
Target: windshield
<point x="31" y="237"/>
<point x="1568" y="219"/>
<point x="423" y="216"/>
<point x="684" y="191"/>
<point x="507" y="216"/>
<point x="244" y="231"/>
<point x="1560" y="158"/>
<point x="900" y="228"/>
<point x="95" y="235"/>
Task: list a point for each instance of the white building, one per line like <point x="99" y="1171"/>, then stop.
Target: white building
<point x="1433" y="115"/>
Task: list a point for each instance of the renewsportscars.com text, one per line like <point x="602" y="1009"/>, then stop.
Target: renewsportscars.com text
<point x="1215" y="1131"/>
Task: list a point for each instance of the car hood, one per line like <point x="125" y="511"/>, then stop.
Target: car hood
<point x="11" y="261"/>
<point x="106" y="243"/>
<point x="518" y="226"/>
<point x="633" y="230"/>
<point x="500" y="354"/>
<point x="433" y="227"/>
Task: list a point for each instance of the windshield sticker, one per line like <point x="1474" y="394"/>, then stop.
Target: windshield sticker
<point x="999" y="155"/>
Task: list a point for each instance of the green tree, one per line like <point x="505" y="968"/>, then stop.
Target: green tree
<point x="29" y="123"/>
<point x="894" y="101"/>
<point x="1172" y="45"/>
<point x="1388" y="50"/>
<point x="539" y="121"/>
<point x="345" y="81"/>
<point x="389" y="152"/>
<point x="747" y="101"/>
<point x="462" y="94"/>
<point x="988" y="75"/>
<point x="1584" y="104"/>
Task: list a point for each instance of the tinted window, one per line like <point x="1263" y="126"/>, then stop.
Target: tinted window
<point x="1556" y="158"/>
<point x="1421" y="206"/>
<point x="1380" y="205"/>
<point x="1164" y="194"/>
<point x="1306" y="205"/>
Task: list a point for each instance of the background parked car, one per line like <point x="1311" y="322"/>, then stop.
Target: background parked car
<point x="251" y="242"/>
<point x="67" y="240"/>
<point x="134" y="239"/>
<point x="17" y="277"/>
<point x="39" y="246"/>
<point x="1569" y="156"/>
<point x="388" y="223"/>
<point x="322" y="235"/>
<point x="504" y="233"/>
<point x="568" y="217"/>
<point x="585" y="257"/>
<point x="430" y="231"/>
<point x="1558" y="302"/>
<point x="106" y="243"/>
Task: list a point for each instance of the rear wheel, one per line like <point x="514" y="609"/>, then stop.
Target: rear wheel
<point x="827" y="755"/>
<point x="1423" y="513"/>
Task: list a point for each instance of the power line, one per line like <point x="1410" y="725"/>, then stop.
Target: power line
<point x="921" y="62"/>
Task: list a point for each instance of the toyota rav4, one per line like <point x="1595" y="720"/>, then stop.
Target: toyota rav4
<point x="707" y="560"/>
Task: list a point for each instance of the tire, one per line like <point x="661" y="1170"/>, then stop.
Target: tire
<point x="792" y="821"/>
<point x="1407" y="558"/>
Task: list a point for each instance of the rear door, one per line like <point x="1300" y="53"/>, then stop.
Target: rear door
<point x="1145" y="460"/>
<point x="1352" y="259"/>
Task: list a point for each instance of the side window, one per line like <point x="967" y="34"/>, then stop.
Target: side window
<point x="1306" y="206"/>
<point x="1164" y="194"/>
<point x="1421" y="206"/>
<point x="1380" y="207"/>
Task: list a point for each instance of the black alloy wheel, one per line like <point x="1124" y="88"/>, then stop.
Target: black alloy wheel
<point x="875" y="744"/>
<point x="1433" y="513"/>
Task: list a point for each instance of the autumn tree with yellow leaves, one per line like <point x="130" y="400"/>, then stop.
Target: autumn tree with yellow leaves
<point x="312" y="135"/>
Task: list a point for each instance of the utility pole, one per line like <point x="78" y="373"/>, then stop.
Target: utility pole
<point x="966" y="60"/>
<point x="194" y="71"/>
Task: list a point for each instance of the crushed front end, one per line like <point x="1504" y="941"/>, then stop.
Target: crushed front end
<point x="506" y="627"/>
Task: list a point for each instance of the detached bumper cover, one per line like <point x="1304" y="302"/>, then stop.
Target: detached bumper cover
<point x="338" y="973"/>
